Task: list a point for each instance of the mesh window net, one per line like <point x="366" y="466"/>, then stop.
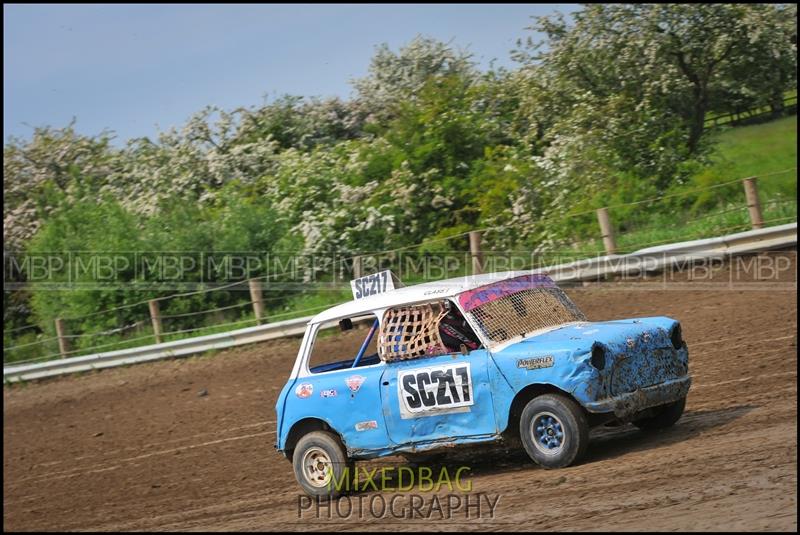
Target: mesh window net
<point x="519" y="306"/>
<point x="411" y="332"/>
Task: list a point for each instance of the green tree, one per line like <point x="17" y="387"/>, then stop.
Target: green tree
<point x="668" y="57"/>
<point x="767" y="67"/>
<point x="398" y="77"/>
<point x="54" y="164"/>
<point x="88" y="227"/>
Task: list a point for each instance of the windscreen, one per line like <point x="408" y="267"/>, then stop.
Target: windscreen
<point x="516" y="307"/>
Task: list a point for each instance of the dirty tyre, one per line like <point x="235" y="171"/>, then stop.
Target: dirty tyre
<point x="314" y="454"/>
<point x="666" y="416"/>
<point x="554" y="431"/>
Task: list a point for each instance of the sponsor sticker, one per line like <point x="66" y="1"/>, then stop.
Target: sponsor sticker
<point x="435" y="390"/>
<point x="536" y="363"/>
<point x="369" y="424"/>
<point x="304" y="390"/>
<point x="354" y="382"/>
<point x="330" y="393"/>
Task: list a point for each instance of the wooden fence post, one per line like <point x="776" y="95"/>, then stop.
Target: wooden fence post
<point x="155" y="317"/>
<point x="753" y="204"/>
<point x="257" y="297"/>
<point x="63" y="342"/>
<point x="475" y="252"/>
<point x="606" y="230"/>
<point x="356" y="267"/>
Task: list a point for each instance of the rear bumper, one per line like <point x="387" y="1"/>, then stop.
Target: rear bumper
<point x="625" y="405"/>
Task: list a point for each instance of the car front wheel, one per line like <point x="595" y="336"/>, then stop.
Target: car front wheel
<point x="554" y="431"/>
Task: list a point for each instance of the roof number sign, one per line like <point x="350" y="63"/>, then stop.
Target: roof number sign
<point x="374" y="284"/>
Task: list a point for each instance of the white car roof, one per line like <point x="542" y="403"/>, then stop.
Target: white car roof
<point x="414" y="294"/>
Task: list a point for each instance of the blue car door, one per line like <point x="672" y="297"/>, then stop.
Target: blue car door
<point x="438" y="398"/>
<point x="348" y="399"/>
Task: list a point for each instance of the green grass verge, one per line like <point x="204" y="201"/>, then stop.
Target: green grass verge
<point x="754" y="151"/>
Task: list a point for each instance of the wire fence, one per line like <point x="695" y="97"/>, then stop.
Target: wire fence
<point x="172" y="334"/>
<point x="201" y="312"/>
<point x="728" y="219"/>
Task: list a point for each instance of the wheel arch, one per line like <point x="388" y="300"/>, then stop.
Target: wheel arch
<point x="303" y="427"/>
<point x="522" y="398"/>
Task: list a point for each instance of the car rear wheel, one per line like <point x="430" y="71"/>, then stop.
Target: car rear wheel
<point x="665" y="416"/>
<point x="554" y="431"/>
<point x="321" y="465"/>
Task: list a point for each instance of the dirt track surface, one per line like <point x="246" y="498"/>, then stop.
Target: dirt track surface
<point x="138" y="449"/>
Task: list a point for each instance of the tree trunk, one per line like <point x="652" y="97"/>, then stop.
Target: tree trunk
<point x="776" y="103"/>
<point x="697" y="120"/>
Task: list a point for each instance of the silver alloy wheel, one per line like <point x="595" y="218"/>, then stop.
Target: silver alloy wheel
<point x="317" y="467"/>
<point x="547" y="433"/>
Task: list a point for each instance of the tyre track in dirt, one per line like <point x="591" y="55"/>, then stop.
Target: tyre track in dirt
<point x="138" y="448"/>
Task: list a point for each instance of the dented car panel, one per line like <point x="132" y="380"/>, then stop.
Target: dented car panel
<point x="617" y="368"/>
<point x="625" y="405"/>
<point x="638" y="366"/>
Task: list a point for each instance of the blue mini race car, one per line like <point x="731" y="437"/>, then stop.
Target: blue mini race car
<point x="500" y="357"/>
